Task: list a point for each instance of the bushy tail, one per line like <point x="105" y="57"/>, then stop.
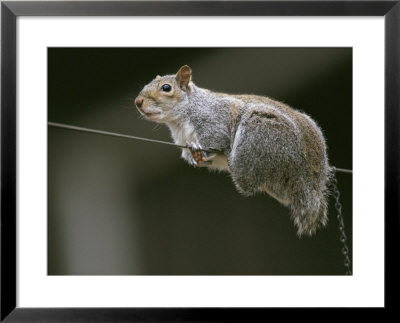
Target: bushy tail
<point x="310" y="209"/>
<point x="309" y="220"/>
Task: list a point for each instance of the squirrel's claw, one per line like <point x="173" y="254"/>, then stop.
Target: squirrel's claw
<point x="200" y="157"/>
<point x="192" y="161"/>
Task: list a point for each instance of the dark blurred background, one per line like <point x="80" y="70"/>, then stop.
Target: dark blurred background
<point x="124" y="207"/>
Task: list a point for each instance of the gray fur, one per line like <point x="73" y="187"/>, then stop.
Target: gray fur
<point x="268" y="146"/>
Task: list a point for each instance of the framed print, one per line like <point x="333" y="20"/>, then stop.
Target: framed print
<point x="103" y="219"/>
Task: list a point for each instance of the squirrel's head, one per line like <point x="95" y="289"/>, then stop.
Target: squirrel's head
<point x="157" y="99"/>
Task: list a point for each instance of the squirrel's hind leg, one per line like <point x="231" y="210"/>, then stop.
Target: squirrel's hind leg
<point x="268" y="155"/>
<point x="260" y="158"/>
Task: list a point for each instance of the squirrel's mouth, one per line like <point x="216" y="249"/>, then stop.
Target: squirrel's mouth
<point x="151" y="114"/>
<point x="148" y="114"/>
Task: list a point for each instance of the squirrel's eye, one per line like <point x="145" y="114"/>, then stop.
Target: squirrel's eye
<point x="166" y="87"/>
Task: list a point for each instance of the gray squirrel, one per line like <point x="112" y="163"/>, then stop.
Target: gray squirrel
<point x="265" y="145"/>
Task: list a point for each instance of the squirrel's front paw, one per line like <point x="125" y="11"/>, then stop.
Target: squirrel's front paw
<point x="199" y="157"/>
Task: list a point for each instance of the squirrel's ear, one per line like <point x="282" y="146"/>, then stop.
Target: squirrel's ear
<point x="184" y="76"/>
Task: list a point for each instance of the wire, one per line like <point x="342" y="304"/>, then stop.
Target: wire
<point x="107" y="133"/>
<point x="343" y="170"/>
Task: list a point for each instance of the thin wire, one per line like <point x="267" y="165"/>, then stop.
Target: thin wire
<point x="107" y="133"/>
<point x="342" y="170"/>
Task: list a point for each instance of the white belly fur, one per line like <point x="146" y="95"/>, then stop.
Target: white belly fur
<point x="183" y="133"/>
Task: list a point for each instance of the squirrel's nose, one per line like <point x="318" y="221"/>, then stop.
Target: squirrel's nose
<point x="139" y="102"/>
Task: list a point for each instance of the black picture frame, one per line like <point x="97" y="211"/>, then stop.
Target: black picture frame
<point x="11" y="10"/>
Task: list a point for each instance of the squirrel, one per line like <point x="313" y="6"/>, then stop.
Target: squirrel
<point x="264" y="144"/>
